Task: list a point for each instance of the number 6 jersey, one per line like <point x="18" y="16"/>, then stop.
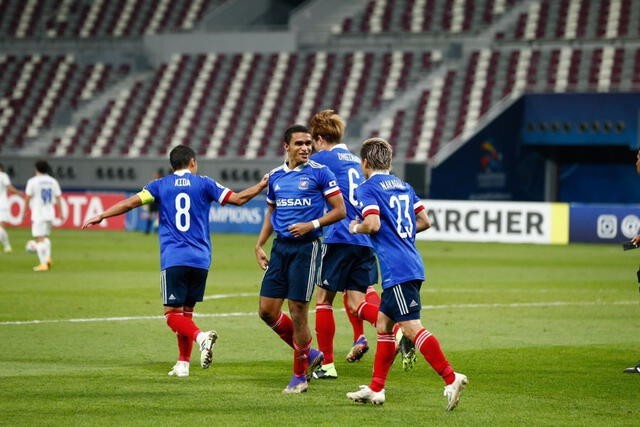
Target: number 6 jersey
<point x="185" y="200"/>
<point x="396" y="203"/>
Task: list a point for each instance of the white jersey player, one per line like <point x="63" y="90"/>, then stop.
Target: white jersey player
<point x="5" y="189"/>
<point x="43" y="193"/>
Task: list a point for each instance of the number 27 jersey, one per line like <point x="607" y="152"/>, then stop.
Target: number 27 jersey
<point x="185" y="201"/>
<point x="396" y="203"/>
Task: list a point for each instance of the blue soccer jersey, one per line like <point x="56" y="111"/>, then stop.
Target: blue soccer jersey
<point x="396" y="203"/>
<point x="185" y="200"/>
<point x="348" y="171"/>
<point x="298" y="195"/>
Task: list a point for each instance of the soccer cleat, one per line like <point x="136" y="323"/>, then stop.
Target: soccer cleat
<point x="326" y="372"/>
<point x="206" y="349"/>
<point x="315" y="361"/>
<point x="366" y="395"/>
<point x="408" y="352"/>
<point x="297" y="385"/>
<point x="49" y="263"/>
<point x="7" y="249"/>
<point x="633" y="369"/>
<point x="360" y="347"/>
<point x="41" y="267"/>
<point x="453" y="391"/>
<point x="180" y="369"/>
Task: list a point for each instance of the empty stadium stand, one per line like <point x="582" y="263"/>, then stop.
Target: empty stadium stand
<point x="35" y="88"/>
<point x="99" y="18"/>
<point x="577" y="20"/>
<point x="465" y="60"/>
<point x="424" y="16"/>
<point x="230" y="105"/>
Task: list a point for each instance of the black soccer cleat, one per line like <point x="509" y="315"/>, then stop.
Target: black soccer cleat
<point x="633" y="370"/>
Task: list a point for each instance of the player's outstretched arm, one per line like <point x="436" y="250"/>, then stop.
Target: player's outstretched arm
<point x="265" y="232"/>
<point x="119" y="208"/>
<point x="244" y="196"/>
<point x="13" y="190"/>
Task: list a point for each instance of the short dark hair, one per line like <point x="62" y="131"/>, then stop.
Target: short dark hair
<point x="293" y="129"/>
<point x="180" y="157"/>
<point x="42" y="166"/>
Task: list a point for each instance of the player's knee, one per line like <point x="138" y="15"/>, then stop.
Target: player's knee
<point x="411" y="329"/>
<point x="353" y="306"/>
<point x="170" y="315"/>
<point x="267" y="316"/>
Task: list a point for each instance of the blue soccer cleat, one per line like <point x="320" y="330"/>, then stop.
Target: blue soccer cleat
<point x="315" y="361"/>
<point x="297" y="385"/>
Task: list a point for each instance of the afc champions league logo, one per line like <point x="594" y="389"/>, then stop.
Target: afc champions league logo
<point x="491" y="175"/>
<point x="490" y="158"/>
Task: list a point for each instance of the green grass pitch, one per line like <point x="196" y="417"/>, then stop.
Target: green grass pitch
<point x="542" y="332"/>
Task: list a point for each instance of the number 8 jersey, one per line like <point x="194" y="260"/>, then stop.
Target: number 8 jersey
<point x="185" y="201"/>
<point x="396" y="203"/>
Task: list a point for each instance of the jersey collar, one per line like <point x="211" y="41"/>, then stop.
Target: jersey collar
<point x="181" y="172"/>
<point x="382" y="172"/>
<point x="340" y="145"/>
<point x="297" y="168"/>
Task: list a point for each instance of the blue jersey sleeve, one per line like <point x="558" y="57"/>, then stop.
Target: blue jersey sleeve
<point x="153" y="187"/>
<point x="417" y="202"/>
<point x="216" y="191"/>
<point x="329" y="183"/>
<point x="368" y="201"/>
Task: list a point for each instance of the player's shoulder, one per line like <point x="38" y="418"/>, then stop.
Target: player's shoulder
<point x="206" y="180"/>
<point x="35" y="179"/>
<point x="409" y="186"/>
<point x="277" y="171"/>
<point x="321" y="156"/>
<point x="315" y="165"/>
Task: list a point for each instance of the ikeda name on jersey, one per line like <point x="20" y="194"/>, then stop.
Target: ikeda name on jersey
<point x="305" y="201"/>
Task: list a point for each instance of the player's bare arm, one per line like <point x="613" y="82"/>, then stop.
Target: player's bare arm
<point x="244" y="196"/>
<point x="119" y="208"/>
<point x="335" y="214"/>
<point x="422" y="221"/>
<point x="265" y="232"/>
<point x="13" y="190"/>
<point x="370" y="225"/>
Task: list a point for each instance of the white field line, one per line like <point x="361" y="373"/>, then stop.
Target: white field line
<point x="255" y="314"/>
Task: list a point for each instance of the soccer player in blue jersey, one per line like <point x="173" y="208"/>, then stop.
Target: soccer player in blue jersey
<point x="296" y="198"/>
<point x="349" y="263"/>
<point x="393" y="214"/>
<point x="185" y="246"/>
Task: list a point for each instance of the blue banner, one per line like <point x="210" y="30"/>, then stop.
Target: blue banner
<point x="603" y="223"/>
<point x="492" y="165"/>
<point x="581" y="119"/>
